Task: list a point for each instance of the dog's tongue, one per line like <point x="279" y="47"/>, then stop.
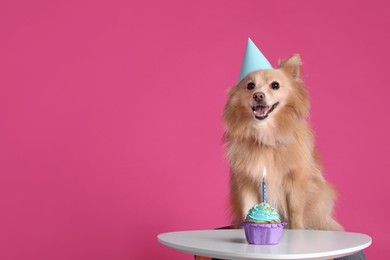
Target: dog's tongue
<point x="261" y="111"/>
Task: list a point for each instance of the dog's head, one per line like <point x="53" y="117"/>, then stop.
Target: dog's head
<point x="267" y="100"/>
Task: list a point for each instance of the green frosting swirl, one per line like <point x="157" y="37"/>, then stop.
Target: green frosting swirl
<point x="263" y="212"/>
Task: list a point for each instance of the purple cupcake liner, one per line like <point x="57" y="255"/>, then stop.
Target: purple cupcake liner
<point x="263" y="234"/>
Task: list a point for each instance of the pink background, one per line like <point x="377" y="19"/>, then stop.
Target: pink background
<point x="110" y="117"/>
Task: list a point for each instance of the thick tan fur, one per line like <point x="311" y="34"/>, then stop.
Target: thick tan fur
<point x="283" y="142"/>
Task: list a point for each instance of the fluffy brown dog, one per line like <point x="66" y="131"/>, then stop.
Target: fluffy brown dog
<point x="266" y="126"/>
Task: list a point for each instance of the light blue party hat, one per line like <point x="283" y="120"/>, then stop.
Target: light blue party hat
<point x="253" y="60"/>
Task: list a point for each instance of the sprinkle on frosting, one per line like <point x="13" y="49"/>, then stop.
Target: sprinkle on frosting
<point x="263" y="213"/>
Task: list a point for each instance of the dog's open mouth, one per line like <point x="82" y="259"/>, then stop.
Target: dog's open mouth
<point x="262" y="112"/>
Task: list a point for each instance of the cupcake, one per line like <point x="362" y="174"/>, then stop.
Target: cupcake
<point x="263" y="225"/>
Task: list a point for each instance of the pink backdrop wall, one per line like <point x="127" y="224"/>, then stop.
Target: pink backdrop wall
<point x="110" y="117"/>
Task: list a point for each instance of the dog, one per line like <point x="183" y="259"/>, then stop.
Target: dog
<point x="266" y="126"/>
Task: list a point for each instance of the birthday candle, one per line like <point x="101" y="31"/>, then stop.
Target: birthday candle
<point x="264" y="186"/>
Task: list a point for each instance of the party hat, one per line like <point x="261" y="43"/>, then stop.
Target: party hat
<point x="253" y="60"/>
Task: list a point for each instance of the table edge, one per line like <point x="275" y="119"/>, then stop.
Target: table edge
<point x="219" y="254"/>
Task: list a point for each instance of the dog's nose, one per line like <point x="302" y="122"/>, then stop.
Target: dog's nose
<point x="258" y="96"/>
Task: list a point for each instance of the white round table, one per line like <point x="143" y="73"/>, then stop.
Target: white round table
<point x="295" y="244"/>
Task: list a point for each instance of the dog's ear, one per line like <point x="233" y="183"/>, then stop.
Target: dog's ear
<point x="292" y="66"/>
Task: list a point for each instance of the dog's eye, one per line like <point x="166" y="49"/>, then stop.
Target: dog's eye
<point x="251" y="85"/>
<point x="275" y="85"/>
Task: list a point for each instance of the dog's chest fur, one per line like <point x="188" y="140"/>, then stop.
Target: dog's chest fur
<point x="248" y="159"/>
